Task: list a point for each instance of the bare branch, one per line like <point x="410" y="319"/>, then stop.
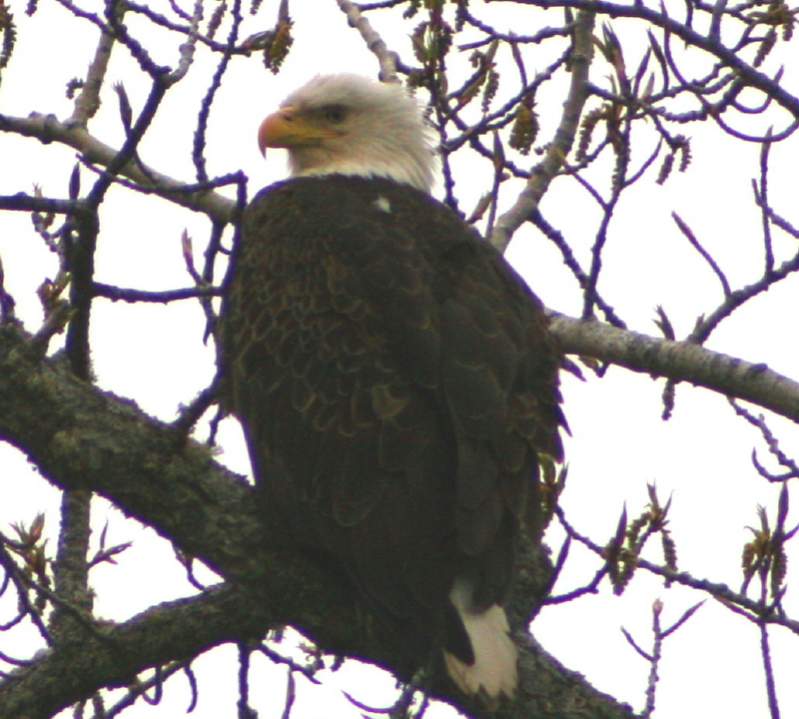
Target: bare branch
<point x="213" y="87"/>
<point x="740" y="603"/>
<point x="124" y="294"/>
<point x="738" y="297"/>
<point x="188" y="48"/>
<point x="691" y="237"/>
<point x="771" y="442"/>
<point x="88" y="101"/>
<point x="768" y="668"/>
<point x="571" y="262"/>
<point x="682" y="361"/>
<point x="22" y="202"/>
<point x="375" y="43"/>
<point x="71" y="567"/>
<point x="48" y="129"/>
<point x="543" y="174"/>
<point x="684" y="31"/>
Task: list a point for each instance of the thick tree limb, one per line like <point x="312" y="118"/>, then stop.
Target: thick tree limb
<point x="81" y="438"/>
<point x="77" y="669"/>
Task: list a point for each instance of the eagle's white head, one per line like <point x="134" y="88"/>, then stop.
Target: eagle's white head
<point x="352" y="125"/>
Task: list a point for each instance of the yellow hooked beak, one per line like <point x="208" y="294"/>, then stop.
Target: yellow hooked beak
<point x="289" y="128"/>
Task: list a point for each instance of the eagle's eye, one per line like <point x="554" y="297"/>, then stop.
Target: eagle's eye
<point x="334" y="113"/>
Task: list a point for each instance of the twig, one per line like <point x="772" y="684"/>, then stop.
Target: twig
<point x="689" y="235"/>
<point x="21" y="582"/>
<point x="591" y="588"/>
<point x="158" y="19"/>
<point x="28" y="203"/>
<point x="141" y="687"/>
<point x="500" y="117"/>
<point x="738" y="297"/>
<point x="772" y="443"/>
<point x="765" y="654"/>
<point x="126" y="294"/>
<point x="192" y="680"/>
<point x="15" y="662"/>
<point x="198" y="146"/>
<point x="590" y="291"/>
<point x="762" y="201"/>
<point x="211" y="254"/>
<point x="54" y="324"/>
<point x="126" y="152"/>
<point x="188" y="48"/>
<point x="765" y="649"/>
<point x="309" y="672"/>
<point x="291" y="694"/>
<point x="187" y="562"/>
<point x="154" y="70"/>
<point x="751" y="609"/>
<point x="191" y="414"/>
<point x="658" y="637"/>
<point x="494" y="34"/>
<point x="245" y="711"/>
<point x="781" y="222"/>
<point x="730" y="58"/>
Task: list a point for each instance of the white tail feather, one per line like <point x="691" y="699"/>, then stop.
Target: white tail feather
<point x="494" y="668"/>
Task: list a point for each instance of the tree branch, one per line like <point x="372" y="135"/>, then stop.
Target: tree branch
<point x="71" y="567"/>
<point x="48" y="129"/>
<point x="691" y="37"/>
<point x="543" y="173"/>
<point x="180" y="629"/>
<point x="375" y="43"/>
<point x="88" y="101"/>
<point x="681" y="361"/>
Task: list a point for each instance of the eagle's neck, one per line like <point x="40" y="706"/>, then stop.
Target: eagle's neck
<point x="403" y="157"/>
<point x="404" y="175"/>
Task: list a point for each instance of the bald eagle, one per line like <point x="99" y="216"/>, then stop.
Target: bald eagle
<point x="394" y="378"/>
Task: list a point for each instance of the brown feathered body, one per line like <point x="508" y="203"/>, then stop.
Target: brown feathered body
<point x="396" y="384"/>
